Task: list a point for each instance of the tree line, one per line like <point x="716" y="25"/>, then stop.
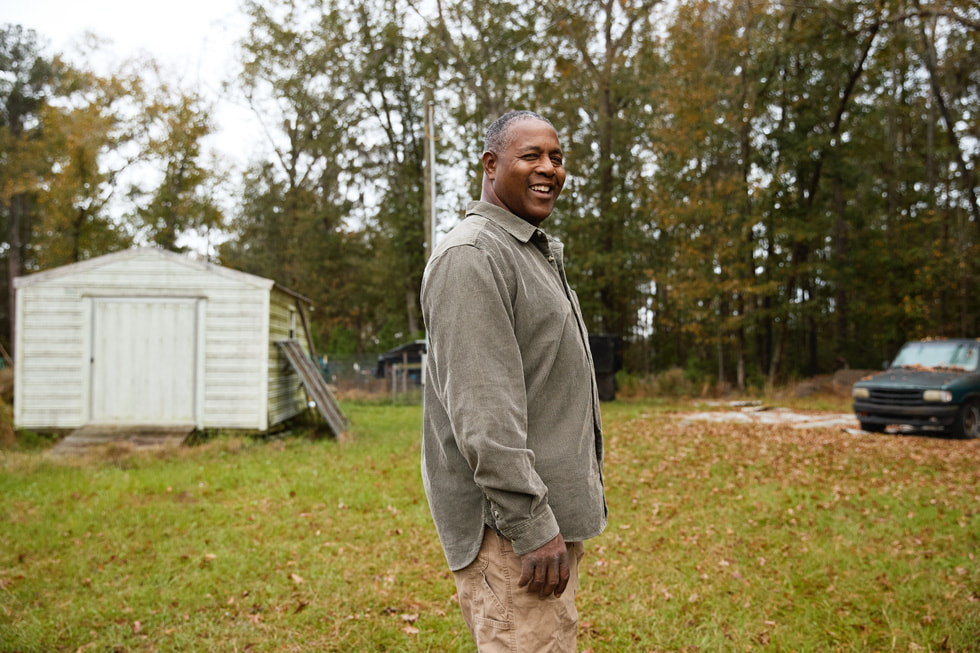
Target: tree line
<point x="757" y="190"/>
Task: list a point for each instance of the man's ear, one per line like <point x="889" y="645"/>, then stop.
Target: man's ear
<point x="490" y="164"/>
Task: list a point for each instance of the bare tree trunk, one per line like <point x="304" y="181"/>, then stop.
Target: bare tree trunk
<point x="740" y="360"/>
<point x="14" y="264"/>
<point x="841" y="248"/>
<point x="722" y="314"/>
<point x="413" y="314"/>
<point x="966" y="172"/>
<point x="777" y="356"/>
<point x="721" y="362"/>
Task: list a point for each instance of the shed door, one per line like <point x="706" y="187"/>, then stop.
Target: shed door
<point x="144" y="361"/>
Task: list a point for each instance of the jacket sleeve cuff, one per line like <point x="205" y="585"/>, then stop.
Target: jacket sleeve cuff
<point x="534" y="533"/>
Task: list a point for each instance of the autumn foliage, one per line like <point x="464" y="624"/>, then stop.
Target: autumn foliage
<point x="757" y="191"/>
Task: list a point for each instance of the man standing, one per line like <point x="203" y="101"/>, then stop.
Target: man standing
<point x="511" y="436"/>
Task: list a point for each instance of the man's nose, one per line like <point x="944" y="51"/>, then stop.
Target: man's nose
<point x="545" y="166"/>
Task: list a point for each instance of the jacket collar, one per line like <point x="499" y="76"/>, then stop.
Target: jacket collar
<point x="520" y="229"/>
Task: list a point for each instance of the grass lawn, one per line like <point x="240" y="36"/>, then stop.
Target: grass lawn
<point x="722" y="537"/>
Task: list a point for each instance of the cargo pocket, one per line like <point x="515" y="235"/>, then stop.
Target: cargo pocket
<point x="487" y="609"/>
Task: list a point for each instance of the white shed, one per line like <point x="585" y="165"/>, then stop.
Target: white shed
<point x="150" y="337"/>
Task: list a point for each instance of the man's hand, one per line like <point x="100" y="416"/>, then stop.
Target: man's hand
<point x="545" y="570"/>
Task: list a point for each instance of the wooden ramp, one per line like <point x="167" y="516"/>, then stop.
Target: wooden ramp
<point x="316" y="387"/>
<point x="139" y="436"/>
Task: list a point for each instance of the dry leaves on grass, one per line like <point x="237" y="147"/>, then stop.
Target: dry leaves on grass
<point x="768" y="516"/>
<point x="409" y="620"/>
<point x="682" y="449"/>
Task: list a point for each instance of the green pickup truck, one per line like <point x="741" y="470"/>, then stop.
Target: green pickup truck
<point x="931" y="384"/>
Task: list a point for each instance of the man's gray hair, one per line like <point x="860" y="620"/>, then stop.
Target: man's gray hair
<point x="497" y="133"/>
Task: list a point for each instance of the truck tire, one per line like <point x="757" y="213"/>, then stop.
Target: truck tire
<point x="872" y="428"/>
<point x="967" y="424"/>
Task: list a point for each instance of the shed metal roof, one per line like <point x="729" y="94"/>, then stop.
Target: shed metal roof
<point x="158" y="254"/>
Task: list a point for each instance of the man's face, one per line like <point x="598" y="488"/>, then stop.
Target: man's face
<point x="527" y="176"/>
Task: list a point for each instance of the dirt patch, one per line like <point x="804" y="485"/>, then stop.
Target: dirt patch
<point x="7" y="384"/>
<point x="7" y="436"/>
<point x="839" y="383"/>
<point x="756" y="413"/>
<point x="120" y="438"/>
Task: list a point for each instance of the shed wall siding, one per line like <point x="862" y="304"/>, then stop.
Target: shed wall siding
<point x="53" y="384"/>
<point x="233" y="376"/>
<point x="287" y="397"/>
<point x="50" y="361"/>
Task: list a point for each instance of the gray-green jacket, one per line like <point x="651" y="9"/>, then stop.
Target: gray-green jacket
<point x="511" y="434"/>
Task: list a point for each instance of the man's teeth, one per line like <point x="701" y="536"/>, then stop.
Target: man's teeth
<point x="542" y="189"/>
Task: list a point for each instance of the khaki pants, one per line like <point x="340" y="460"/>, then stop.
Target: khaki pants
<point x="504" y="617"/>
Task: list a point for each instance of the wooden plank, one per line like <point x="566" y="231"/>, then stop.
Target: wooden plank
<point x="315" y="386"/>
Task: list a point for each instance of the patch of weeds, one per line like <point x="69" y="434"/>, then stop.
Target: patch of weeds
<point x="28" y="440"/>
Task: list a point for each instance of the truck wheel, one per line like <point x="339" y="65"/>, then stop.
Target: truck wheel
<point x="967" y="424"/>
<point x="872" y="428"/>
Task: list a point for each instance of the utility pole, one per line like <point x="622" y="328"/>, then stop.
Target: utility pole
<point x="430" y="222"/>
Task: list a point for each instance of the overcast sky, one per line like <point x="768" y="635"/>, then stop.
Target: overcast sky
<point x="193" y="41"/>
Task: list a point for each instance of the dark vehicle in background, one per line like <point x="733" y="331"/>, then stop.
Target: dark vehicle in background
<point x="931" y="383"/>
